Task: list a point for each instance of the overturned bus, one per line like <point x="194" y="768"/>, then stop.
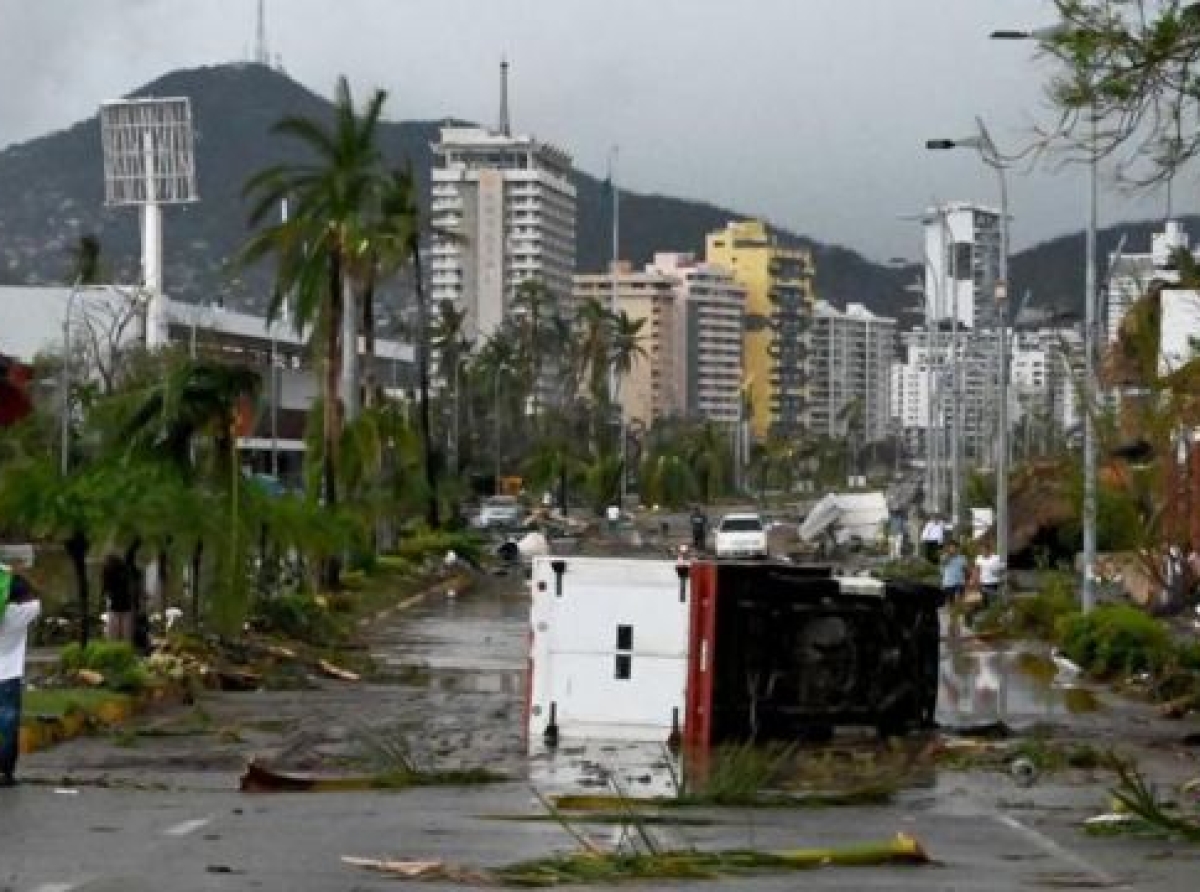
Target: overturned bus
<point x="706" y="652"/>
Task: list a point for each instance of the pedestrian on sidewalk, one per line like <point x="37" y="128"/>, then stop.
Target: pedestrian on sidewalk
<point x="22" y="609"/>
<point x="895" y="531"/>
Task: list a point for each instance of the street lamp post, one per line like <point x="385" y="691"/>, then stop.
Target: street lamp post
<point x="1088" y="588"/>
<point x="992" y="158"/>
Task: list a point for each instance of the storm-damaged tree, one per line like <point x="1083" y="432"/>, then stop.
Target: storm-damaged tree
<point x="330" y="194"/>
<point x="1129" y="66"/>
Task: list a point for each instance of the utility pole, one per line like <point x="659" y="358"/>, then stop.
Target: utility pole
<point x="1088" y="599"/>
<point x="615" y="309"/>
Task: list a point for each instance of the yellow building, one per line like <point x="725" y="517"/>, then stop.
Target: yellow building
<point x="779" y="304"/>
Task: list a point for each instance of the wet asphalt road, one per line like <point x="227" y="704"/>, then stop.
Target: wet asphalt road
<point x="161" y="810"/>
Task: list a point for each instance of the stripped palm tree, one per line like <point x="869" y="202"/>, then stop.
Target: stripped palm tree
<point x="319" y="246"/>
<point x="451" y="349"/>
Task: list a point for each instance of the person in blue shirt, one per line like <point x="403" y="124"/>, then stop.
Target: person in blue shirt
<point x="954" y="572"/>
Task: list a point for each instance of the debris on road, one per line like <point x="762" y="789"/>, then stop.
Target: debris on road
<point x="259" y="777"/>
<point x="338" y="672"/>
<point x="594" y="867"/>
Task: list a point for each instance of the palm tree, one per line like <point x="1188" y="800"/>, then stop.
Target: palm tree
<point x="850" y="419"/>
<point x="593" y="356"/>
<point x="626" y="345"/>
<point x="396" y="243"/>
<point x="451" y="349"/>
<point x="193" y="399"/>
<point x="709" y="455"/>
<point x="498" y="368"/>
<point x="530" y="304"/>
<point x="320" y="245"/>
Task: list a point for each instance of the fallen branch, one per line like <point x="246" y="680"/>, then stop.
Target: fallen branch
<point x="594" y="867"/>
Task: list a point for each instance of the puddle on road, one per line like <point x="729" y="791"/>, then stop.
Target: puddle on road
<point x="979" y="684"/>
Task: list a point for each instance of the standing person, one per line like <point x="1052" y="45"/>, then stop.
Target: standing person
<point x="699" y="528"/>
<point x="932" y="536"/>
<point x="115" y="588"/>
<point x="989" y="573"/>
<point x="954" y="572"/>
<point x="896" y="535"/>
<point x="22" y="609"/>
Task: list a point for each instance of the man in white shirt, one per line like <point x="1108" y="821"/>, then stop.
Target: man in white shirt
<point x="23" y="608"/>
<point x="932" y="537"/>
<point x="989" y="573"/>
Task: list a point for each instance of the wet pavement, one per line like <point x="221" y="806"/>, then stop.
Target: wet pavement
<point x="156" y="806"/>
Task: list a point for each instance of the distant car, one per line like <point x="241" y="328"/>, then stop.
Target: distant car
<point x="499" y="512"/>
<point x="741" y="535"/>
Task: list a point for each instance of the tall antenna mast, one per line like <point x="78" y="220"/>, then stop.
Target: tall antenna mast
<point x="505" y="128"/>
<point x="261" y="54"/>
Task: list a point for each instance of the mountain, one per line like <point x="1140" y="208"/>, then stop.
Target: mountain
<point x="1053" y="271"/>
<point x="51" y="192"/>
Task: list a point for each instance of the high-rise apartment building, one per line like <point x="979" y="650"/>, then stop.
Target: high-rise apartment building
<point x="849" y="366"/>
<point x="779" y="301"/>
<point x="503" y="211"/>
<point x="962" y="263"/>
<point x="709" y="315"/>
<point x="648" y="392"/>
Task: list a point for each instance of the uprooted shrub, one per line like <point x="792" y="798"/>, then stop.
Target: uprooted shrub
<point x="115" y="661"/>
<point x="306" y="618"/>
<point x="1037" y="616"/>
<point x="1115" y="640"/>
<point x="426" y="544"/>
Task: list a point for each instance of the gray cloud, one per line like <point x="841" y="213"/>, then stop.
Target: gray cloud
<point x="811" y="112"/>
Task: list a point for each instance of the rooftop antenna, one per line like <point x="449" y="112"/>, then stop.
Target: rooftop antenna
<point x="505" y="128"/>
<point x="262" y="55"/>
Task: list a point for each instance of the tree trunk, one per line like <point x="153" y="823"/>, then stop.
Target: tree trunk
<point x="370" y="379"/>
<point x="332" y="410"/>
<point x="77" y="546"/>
<point x="432" y="508"/>
<point x="197" y="562"/>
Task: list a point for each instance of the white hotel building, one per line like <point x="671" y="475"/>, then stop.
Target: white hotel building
<point x="508" y="205"/>
<point x="850" y="356"/>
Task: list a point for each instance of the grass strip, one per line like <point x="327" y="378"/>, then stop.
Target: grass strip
<point x="58" y="702"/>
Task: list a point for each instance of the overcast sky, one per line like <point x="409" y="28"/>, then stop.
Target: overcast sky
<point x="812" y="113"/>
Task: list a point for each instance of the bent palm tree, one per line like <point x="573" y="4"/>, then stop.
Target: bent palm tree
<point x="316" y="247"/>
<point x="398" y="234"/>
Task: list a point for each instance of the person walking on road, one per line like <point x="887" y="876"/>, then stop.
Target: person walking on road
<point x="954" y="572"/>
<point x="989" y="573"/>
<point x="932" y="536"/>
<point x="21" y="610"/>
<point x="699" y="528"/>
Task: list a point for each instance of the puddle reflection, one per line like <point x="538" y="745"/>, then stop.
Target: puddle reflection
<point x="979" y="683"/>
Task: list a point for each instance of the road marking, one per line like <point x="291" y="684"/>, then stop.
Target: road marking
<point x="183" y="828"/>
<point x="1050" y="847"/>
<point x="54" y="887"/>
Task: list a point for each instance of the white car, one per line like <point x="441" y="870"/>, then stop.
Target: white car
<point x="500" y="511"/>
<point x="741" y="535"/>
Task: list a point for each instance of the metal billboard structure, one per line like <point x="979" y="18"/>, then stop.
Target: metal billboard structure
<point x="149" y="161"/>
